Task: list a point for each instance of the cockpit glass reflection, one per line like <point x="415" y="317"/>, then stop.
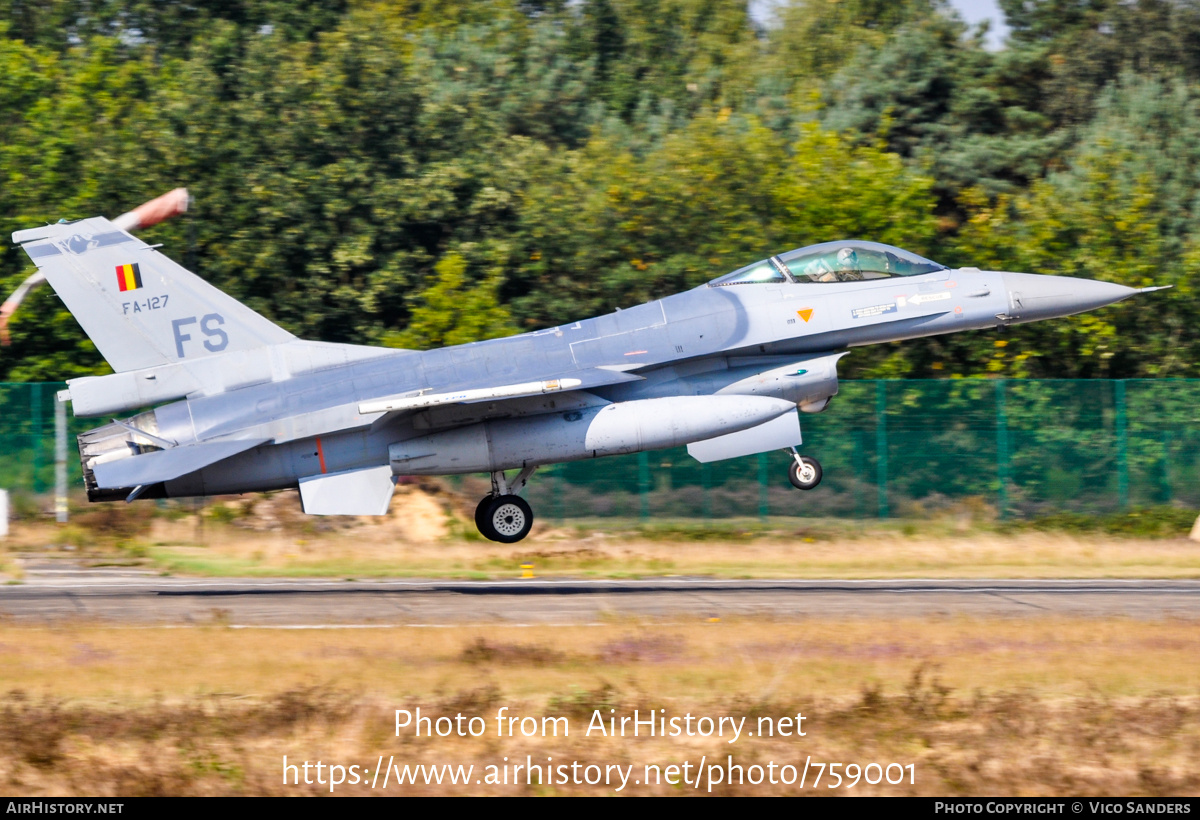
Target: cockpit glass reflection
<point x="845" y="261"/>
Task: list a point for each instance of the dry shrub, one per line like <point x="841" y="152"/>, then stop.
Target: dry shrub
<point x="33" y="732"/>
<point x="579" y="704"/>
<point x="115" y="520"/>
<point x="153" y="778"/>
<point x="924" y="696"/>
<point x="471" y="700"/>
<point x="295" y="708"/>
<point x="580" y="558"/>
<point x="998" y="743"/>
<point x="642" y="649"/>
<point x="482" y="650"/>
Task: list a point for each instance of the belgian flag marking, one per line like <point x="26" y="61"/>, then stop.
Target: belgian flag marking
<point x="129" y="277"/>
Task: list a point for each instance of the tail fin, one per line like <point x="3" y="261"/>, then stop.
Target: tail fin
<point x="140" y="308"/>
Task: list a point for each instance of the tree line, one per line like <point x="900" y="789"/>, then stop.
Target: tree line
<point x="432" y="172"/>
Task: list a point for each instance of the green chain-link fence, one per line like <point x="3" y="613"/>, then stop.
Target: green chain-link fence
<point x="888" y="448"/>
<point x="892" y="448"/>
<point x="27" y="438"/>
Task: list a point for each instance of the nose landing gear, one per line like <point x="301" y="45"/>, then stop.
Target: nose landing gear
<point x="804" y="472"/>
<point x="503" y="515"/>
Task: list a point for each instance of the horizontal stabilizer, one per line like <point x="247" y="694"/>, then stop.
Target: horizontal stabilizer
<point x="353" y="492"/>
<point x="777" y="434"/>
<point x="164" y="465"/>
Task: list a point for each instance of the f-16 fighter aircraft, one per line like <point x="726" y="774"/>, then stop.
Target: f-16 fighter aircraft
<point x="242" y="405"/>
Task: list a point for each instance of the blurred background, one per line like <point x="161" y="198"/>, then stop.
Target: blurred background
<point x="990" y="449"/>
<point x="419" y="174"/>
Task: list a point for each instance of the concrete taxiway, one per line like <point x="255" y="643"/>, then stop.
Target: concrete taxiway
<point x="53" y="591"/>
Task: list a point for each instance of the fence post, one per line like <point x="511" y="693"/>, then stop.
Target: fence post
<point x="881" y="461"/>
<point x="644" y="483"/>
<point x="859" y="474"/>
<point x="763" y="508"/>
<point x="1166" y="462"/>
<point x="556" y="482"/>
<point x="60" y="461"/>
<point x="1002" y="446"/>
<point x="1122" y="454"/>
<point x="35" y="431"/>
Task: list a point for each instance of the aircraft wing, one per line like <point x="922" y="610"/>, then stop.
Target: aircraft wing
<point x="164" y="465"/>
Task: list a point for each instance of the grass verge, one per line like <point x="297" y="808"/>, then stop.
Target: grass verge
<point x="614" y="555"/>
<point x="1046" y="706"/>
<point x="1137" y="544"/>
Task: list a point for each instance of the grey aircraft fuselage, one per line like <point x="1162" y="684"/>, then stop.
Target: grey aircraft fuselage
<point x="242" y="405"/>
<point x="696" y="343"/>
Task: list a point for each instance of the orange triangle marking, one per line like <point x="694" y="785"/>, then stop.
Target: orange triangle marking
<point x="805" y="314"/>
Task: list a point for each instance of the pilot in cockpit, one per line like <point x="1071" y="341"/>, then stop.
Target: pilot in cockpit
<point x="842" y="268"/>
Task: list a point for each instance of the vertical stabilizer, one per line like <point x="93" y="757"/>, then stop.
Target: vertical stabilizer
<point x="140" y="308"/>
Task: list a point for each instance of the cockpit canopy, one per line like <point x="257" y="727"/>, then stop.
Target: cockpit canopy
<point x="848" y="261"/>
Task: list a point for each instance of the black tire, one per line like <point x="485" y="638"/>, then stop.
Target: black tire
<point x="481" y="513"/>
<point x="811" y="477"/>
<point x="509" y="519"/>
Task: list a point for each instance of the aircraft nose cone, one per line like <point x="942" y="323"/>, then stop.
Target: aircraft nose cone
<point x="1033" y="296"/>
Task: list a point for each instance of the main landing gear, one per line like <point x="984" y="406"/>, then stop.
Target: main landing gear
<point x="503" y="515"/>
<point x="804" y="472"/>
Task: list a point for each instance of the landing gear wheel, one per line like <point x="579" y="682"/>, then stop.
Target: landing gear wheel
<point x="804" y="472"/>
<point x="481" y="512"/>
<point x="508" y="519"/>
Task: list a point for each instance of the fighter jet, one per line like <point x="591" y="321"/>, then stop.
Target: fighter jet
<point x="241" y="405"/>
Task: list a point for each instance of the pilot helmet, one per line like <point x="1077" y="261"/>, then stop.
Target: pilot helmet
<point x="847" y="259"/>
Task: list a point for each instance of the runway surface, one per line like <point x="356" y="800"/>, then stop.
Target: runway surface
<point x="53" y="592"/>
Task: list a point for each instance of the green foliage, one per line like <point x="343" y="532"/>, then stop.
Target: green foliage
<point x="615" y="226"/>
<point x="455" y="309"/>
<point x="1123" y="209"/>
<point x="425" y="173"/>
<point x="832" y="188"/>
<point x="1075" y="48"/>
<point x="816" y="38"/>
<point x="611" y="226"/>
<point x="1146" y="522"/>
<point x="969" y="116"/>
